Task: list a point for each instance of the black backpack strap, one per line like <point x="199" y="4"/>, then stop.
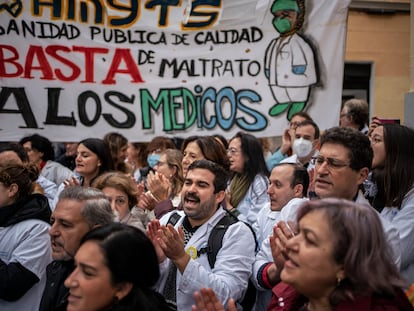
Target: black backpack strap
<point x="174" y="218"/>
<point x="215" y="240"/>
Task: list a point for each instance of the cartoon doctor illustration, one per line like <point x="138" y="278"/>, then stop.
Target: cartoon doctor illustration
<point x="289" y="61"/>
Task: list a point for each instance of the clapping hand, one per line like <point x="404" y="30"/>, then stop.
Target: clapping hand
<point x="206" y="300"/>
<point x="159" y="186"/>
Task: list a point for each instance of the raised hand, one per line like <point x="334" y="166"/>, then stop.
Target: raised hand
<point x="206" y="300"/>
<point x="287" y="141"/>
<point x="159" y="186"/>
<point x="71" y="182"/>
<point x="153" y="229"/>
<point x="171" y="242"/>
<point x="147" y="201"/>
<point x="282" y="232"/>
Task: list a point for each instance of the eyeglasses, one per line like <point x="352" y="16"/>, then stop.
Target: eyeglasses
<point x="232" y="151"/>
<point x="330" y="162"/>
<point x="160" y="163"/>
<point x="294" y="125"/>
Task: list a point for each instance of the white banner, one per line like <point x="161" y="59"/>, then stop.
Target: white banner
<point x="72" y="69"/>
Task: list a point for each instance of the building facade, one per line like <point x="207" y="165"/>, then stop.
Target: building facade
<point x="377" y="60"/>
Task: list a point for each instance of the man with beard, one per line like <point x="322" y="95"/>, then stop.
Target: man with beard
<point x="182" y="249"/>
<point x="77" y="212"/>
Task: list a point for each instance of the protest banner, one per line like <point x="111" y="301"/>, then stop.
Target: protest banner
<point x="71" y="69"/>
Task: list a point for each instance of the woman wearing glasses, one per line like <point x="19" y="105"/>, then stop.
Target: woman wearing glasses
<point x="203" y="147"/>
<point x="247" y="191"/>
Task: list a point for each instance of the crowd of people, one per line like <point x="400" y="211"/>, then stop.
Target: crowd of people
<point x="324" y="222"/>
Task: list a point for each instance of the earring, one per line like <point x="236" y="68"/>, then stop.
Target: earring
<point x="338" y="281"/>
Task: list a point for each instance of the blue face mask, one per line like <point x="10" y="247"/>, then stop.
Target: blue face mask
<point x="153" y="159"/>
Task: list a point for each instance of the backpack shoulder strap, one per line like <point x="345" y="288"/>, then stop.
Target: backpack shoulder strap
<point x="215" y="240"/>
<point x="174" y="218"/>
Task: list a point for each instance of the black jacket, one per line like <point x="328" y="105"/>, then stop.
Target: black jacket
<point x="55" y="294"/>
<point x="35" y="206"/>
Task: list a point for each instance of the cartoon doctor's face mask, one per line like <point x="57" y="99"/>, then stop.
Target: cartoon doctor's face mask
<point x="282" y="24"/>
<point x="285" y="14"/>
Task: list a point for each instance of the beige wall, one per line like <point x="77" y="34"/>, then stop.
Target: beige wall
<point x="383" y="40"/>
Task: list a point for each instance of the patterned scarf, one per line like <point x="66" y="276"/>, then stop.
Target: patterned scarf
<point x="238" y="189"/>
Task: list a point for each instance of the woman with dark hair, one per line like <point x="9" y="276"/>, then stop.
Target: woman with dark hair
<point x="222" y="140"/>
<point x="118" y="146"/>
<point x="137" y="157"/>
<point x="116" y="268"/>
<point x="41" y="153"/>
<point x="338" y="261"/>
<point x="203" y="147"/>
<point x="247" y="191"/>
<point x="93" y="159"/>
<point x="393" y="175"/>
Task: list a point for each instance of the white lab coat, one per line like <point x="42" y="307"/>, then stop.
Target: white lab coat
<point x="281" y="56"/>
<point x="391" y="232"/>
<point x="232" y="268"/>
<point x="266" y="219"/>
<point x="403" y="220"/>
<point x="28" y="243"/>
<point x="264" y="256"/>
<point x="255" y="199"/>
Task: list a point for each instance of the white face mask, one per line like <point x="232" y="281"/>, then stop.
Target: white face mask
<point x="302" y="147"/>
